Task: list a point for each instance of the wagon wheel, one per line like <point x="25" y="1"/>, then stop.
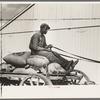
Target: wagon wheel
<point x="79" y="78"/>
<point x="35" y="80"/>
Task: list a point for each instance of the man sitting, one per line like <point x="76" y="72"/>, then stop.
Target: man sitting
<point x="38" y="46"/>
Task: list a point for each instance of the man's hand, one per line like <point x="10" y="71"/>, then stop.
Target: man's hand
<point x="49" y="49"/>
<point x="49" y="46"/>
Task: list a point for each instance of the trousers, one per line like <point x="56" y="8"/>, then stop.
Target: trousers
<point x="54" y="57"/>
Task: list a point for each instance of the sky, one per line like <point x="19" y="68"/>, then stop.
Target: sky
<point x="8" y="11"/>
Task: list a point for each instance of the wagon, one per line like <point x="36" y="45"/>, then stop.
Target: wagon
<point x="31" y="77"/>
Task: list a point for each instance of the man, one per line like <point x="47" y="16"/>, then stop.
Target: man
<point x="39" y="46"/>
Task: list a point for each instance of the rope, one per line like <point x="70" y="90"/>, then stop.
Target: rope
<point x="82" y="58"/>
<point x="24" y="32"/>
<point x="76" y="28"/>
<point x="15" y="17"/>
<point x="56" y="19"/>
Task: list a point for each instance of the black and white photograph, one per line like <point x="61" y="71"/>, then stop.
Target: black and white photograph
<point x="49" y="48"/>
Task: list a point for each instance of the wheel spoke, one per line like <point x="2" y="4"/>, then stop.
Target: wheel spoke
<point x="31" y="83"/>
<point x="38" y="81"/>
<point x="80" y="79"/>
<point x="35" y="79"/>
<point x="44" y="83"/>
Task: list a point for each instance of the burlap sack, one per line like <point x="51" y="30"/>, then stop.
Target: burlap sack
<point x="17" y="59"/>
<point x="55" y="68"/>
<point x="24" y="71"/>
<point x="6" y="67"/>
<point x="38" y="61"/>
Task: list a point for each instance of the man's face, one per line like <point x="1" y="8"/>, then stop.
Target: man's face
<point x="44" y="30"/>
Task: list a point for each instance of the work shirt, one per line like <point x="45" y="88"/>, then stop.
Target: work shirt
<point x="37" y="43"/>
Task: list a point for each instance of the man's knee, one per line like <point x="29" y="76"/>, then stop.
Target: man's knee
<point x="49" y="55"/>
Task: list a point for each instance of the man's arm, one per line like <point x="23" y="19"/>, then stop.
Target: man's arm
<point x="35" y="43"/>
<point x="47" y="46"/>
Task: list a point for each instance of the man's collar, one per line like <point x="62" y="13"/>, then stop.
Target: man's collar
<point x="41" y="33"/>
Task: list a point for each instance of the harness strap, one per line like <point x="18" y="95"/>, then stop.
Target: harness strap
<point x="82" y="58"/>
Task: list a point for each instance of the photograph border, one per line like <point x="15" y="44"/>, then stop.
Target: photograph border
<point x="50" y="1"/>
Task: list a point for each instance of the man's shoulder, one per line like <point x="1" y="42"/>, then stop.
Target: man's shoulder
<point x="36" y="34"/>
